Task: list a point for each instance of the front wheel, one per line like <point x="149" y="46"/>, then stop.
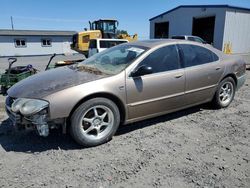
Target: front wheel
<point x="225" y="93"/>
<point x="95" y="122"/>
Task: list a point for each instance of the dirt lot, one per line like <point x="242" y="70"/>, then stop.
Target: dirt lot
<point x="198" y="147"/>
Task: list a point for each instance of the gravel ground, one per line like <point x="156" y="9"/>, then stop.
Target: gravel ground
<point x="197" y="147"/>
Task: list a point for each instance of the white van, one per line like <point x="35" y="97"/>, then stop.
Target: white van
<point x="98" y="45"/>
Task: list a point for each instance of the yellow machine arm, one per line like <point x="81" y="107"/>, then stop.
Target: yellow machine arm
<point x="130" y="38"/>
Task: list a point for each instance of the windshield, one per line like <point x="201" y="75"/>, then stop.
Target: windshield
<point x="109" y="27"/>
<point x="106" y="26"/>
<point x="113" y="60"/>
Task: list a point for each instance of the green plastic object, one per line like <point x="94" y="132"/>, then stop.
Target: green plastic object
<point x="8" y="81"/>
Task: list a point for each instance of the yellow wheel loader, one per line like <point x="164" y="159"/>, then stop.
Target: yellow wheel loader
<point x="99" y="29"/>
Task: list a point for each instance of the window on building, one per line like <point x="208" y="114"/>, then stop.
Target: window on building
<point x="20" y="43"/>
<point x="161" y="30"/>
<point x="163" y="59"/>
<point x="46" y="42"/>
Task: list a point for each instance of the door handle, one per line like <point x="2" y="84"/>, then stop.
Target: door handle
<point x="178" y="75"/>
<point x="217" y="68"/>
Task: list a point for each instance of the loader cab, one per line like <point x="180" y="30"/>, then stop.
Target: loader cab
<point x="107" y="27"/>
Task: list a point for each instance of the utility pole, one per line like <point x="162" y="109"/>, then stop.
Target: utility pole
<point x="12" y="25"/>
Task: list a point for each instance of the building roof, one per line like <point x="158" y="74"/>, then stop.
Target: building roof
<point x="7" y="32"/>
<point x="201" y="6"/>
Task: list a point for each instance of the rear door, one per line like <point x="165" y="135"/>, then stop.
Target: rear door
<point x="203" y="71"/>
<point x="160" y="91"/>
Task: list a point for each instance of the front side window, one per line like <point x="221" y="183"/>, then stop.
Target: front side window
<point x="46" y="42"/>
<point x="196" y="55"/>
<point x="20" y="43"/>
<point x="113" y="60"/>
<point x="163" y="59"/>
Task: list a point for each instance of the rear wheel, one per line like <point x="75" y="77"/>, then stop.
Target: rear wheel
<point x="95" y="122"/>
<point x="225" y="93"/>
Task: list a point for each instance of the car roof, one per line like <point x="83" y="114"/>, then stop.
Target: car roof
<point x="125" y="40"/>
<point x="186" y="36"/>
<point x="158" y="42"/>
<point x="154" y="42"/>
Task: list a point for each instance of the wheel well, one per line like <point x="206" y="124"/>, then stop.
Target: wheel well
<point x="232" y="76"/>
<point x="111" y="97"/>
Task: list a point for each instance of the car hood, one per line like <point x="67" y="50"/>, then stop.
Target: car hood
<point x="51" y="81"/>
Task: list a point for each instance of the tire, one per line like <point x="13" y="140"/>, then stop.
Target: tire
<point x="94" y="122"/>
<point x="225" y="93"/>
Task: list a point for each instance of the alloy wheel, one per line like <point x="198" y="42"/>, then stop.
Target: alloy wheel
<point x="226" y="93"/>
<point x="97" y="122"/>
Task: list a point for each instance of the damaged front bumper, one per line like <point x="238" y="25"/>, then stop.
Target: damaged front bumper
<point x="38" y="121"/>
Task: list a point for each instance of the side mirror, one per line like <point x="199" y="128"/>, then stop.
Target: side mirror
<point x="142" y="70"/>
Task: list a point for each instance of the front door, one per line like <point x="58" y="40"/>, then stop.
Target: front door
<point x="159" y="92"/>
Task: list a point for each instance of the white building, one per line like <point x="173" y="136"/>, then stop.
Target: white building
<point x="223" y="25"/>
<point x="34" y="42"/>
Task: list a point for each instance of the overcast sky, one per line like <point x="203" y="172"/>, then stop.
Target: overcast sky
<point x="133" y="15"/>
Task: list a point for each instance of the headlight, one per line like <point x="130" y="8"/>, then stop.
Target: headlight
<point x="28" y="106"/>
<point x="17" y="104"/>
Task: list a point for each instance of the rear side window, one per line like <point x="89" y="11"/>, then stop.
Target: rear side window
<point x="163" y="59"/>
<point x="196" y="55"/>
<point x="109" y="44"/>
